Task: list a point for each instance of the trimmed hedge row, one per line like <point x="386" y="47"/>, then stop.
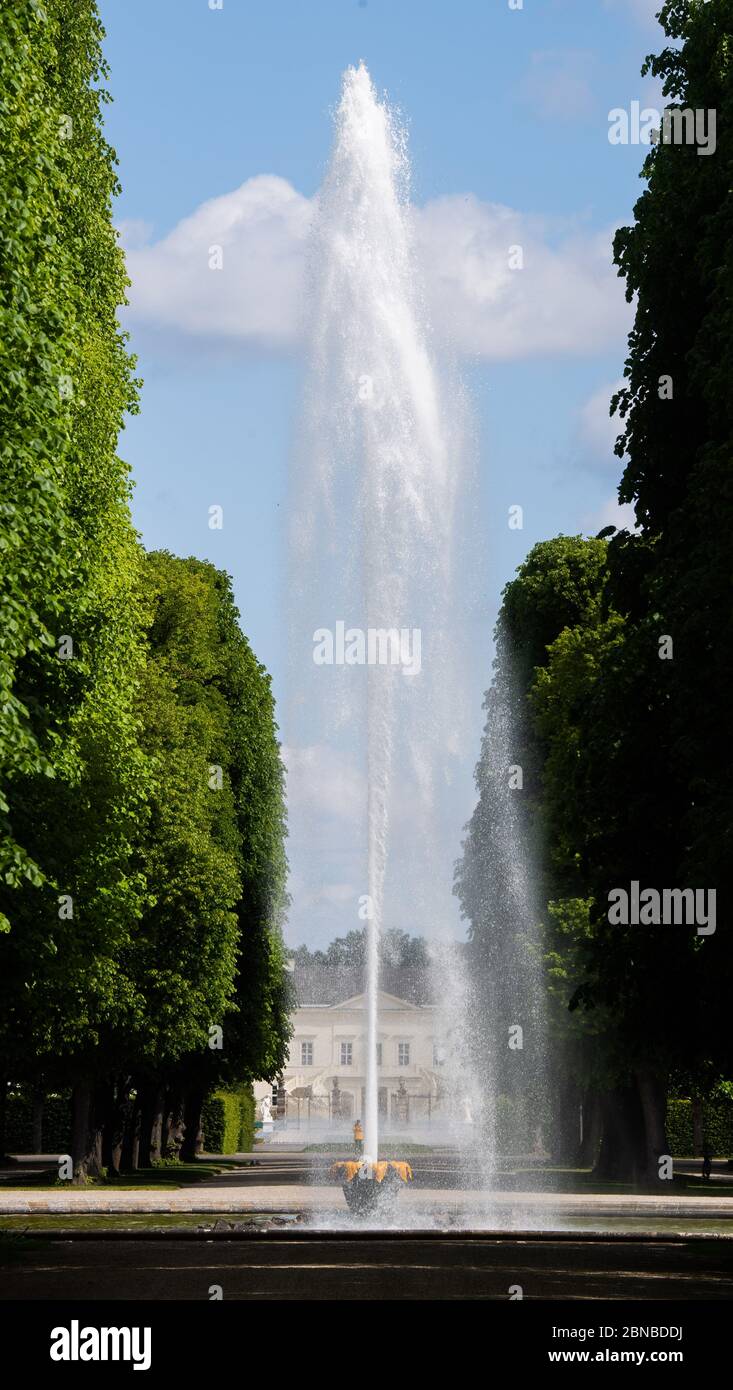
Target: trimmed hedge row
<point x="228" y="1124"/>
<point x="228" y="1121"/>
<point x="717" y="1123"/>
<point x="56" y="1124"/>
<point x="517" y="1122"/>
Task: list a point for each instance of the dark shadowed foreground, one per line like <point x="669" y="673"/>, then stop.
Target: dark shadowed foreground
<point x="298" y="1265"/>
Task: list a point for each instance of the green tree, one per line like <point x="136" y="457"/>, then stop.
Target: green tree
<point x="36" y="310"/>
<point x="629" y="764"/>
<point x="405" y="968"/>
<point x="74" y="773"/>
<point x="674" y="576"/>
<point x="505" y="876"/>
<point x="639" y="777"/>
<point x="213" y="854"/>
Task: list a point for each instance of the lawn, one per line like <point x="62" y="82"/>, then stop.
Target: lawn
<point x="161" y="1176"/>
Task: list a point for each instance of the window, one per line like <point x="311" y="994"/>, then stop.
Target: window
<point x="347" y="1052"/>
<point x="306" y="1054"/>
<point x="379" y="1054"/>
<point x="403" y="1054"/>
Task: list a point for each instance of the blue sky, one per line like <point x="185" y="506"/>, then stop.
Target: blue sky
<point x="222" y="121"/>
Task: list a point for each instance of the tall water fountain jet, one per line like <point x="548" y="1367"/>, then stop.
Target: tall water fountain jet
<point x="376" y="436"/>
<point x="383" y="621"/>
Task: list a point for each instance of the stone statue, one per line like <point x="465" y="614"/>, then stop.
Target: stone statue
<point x="539" y="1150"/>
<point x="266" y="1110"/>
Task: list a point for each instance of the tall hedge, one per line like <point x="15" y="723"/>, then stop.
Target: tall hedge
<point x="197" y="644"/>
<point x="717" y="1126"/>
<point x="182" y="956"/>
<point x="139" y="905"/>
<point x="73" y="773"/>
<point x="37" y="313"/>
<point x="228" y="1121"/>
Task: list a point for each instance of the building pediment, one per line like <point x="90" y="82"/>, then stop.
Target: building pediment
<point x="386" y="1003"/>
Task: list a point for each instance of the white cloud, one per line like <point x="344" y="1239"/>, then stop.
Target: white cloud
<point x="134" y="232"/>
<point x="261" y="229"/>
<point x="567" y="299"/>
<point x="556" y="84"/>
<point x="336" y="895"/>
<point x="611" y="513"/>
<point x="338" y="892"/>
<point x="598" y="430"/>
<point x="323" y="784"/>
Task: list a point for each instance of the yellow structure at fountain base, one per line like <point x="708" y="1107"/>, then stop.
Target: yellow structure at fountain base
<point x="346" y="1170"/>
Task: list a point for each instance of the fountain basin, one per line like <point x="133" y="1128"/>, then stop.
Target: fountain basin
<point x="369" y="1186"/>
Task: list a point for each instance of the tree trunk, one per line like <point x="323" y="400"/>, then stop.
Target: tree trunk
<point x="564" y="1138"/>
<point x="86" y="1133"/>
<point x="592" y="1129"/>
<point x="156" y="1128"/>
<point x="697" y="1126"/>
<point x="622" y="1154"/>
<point x="151" y="1124"/>
<point x="193" y="1139"/>
<point x="115" y="1099"/>
<point x="3" y="1119"/>
<point x="146" y="1105"/>
<point x="653" y="1097"/>
<point x="173" y="1126"/>
<point x="131" y="1135"/>
<point x="37" y="1122"/>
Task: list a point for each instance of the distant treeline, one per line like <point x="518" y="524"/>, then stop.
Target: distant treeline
<point x="142" y="865"/>
<point x="339" y="972"/>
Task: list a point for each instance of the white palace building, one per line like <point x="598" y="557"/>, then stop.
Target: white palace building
<point x="323" y="1083"/>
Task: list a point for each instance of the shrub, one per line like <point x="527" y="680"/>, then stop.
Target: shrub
<point x="55" y="1127"/>
<point x="679" y="1127"/>
<point x="717" y="1123"/>
<point x="228" y="1121"/>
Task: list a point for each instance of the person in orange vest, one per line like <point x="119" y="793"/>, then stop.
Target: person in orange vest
<point x="358" y="1137"/>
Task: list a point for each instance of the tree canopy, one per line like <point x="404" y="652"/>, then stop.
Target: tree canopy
<point x="142" y="861"/>
<point x="612" y="682"/>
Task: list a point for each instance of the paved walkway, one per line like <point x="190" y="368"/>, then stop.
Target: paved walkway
<point x="511" y="1210"/>
<point x="294" y="1183"/>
